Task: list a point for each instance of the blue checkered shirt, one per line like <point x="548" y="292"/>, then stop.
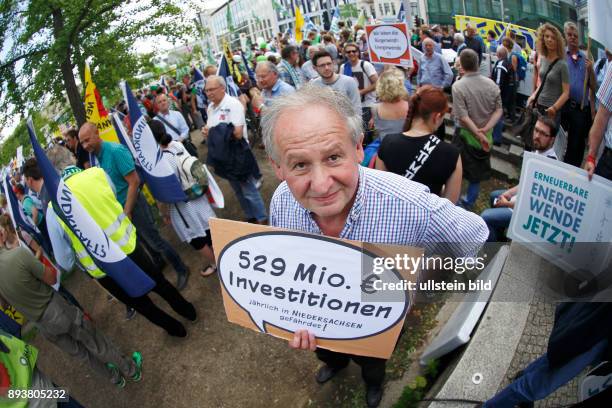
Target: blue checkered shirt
<point x="390" y="209"/>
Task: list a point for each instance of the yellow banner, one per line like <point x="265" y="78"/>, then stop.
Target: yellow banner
<point x="483" y="25"/>
<point x="299" y="24"/>
<point x="95" y="111"/>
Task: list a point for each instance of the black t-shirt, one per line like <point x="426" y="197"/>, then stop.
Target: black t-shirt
<point x="82" y="156"/>
<point x="447" y="42"/>
<point x="414" y="158"/>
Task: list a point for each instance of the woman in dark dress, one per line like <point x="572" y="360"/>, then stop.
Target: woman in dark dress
<point x="418" y="154"/>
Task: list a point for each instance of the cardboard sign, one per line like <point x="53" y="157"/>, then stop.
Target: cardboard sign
<point x="389" y="44"/>
<point x="276" y="281"/>
<point x="568" y="217"/>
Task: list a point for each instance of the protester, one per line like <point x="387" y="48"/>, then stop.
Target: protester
<point x="325" y="191"/>
<point x="555" y="92"/>
<point x="475" y="42"/>
<point x="493" y="44"/>
<point x="308" y="71"/>
<point x="270" y="83"/>
<point x="225" y="109"/>
<point x="175" y="123"/>
<point x="389" y="114"/>
<point x="433" y="70"/>
<point x="29" y="206"/>
<point x="580" y="338"/>
<point x="516" y="47"/>
<point x="477" y="107"/>
<point x="601" y="67"/>
<point x="601" y="129"/>
<point x="513" y="82"/>
<point x="459" y="43"/>
<point x="365" y="74"/>
<point x="288" y="67"/>
<point x="417" y="153"/>
<point x="190" y="218"/>
<point x="503" y="75"/>
<point x="118" y="163"/>
<point x="71" y="137"/>
<point x="330" y="46"/>
<point x="92" y="190"/>
<point x="579" y="111"/>
<point x="26" y="284"/>
<point x="503" y="201"/>
<point x="324" y="64"/>
<point x="447" y="40"/>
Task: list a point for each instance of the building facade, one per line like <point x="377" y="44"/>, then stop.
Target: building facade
<point x="527" y="13"/>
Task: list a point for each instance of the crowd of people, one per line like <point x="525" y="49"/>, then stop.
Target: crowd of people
<point x="361" y="149"/>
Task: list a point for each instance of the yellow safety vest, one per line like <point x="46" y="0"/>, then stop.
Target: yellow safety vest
<point x="91" y="189"/>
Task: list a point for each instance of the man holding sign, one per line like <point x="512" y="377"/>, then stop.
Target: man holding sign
<point x="326" y="192"/>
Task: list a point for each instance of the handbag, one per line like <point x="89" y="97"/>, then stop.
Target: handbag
<point x="530" y="117"/>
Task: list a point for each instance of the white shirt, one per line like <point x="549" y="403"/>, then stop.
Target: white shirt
<point x="229" y="110"/>
<point x="550" y="153"/>
<point x="177" y="120"/>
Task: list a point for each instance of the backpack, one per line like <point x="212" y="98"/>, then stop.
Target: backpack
<point x="192" y="176"/>
<point x="521" y="69"/>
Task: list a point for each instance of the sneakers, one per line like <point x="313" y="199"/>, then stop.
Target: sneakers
<point x="137" y="357"/>
<point x="181" y="280"/>
<point x="326" y="373"/>
<point x="259" y="183"/>
<point x="117" y="378"/>
<point x="373" y="395"/>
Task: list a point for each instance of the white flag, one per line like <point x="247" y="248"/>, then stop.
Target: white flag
<point x="600" y="15"/>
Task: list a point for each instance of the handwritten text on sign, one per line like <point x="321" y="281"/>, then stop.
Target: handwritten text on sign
<point x="295" y="281"/>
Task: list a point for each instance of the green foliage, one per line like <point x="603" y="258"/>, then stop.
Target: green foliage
<point x="46" y="41"/>
<point x="20" y="137"/>
<point x="414" y="392"/>
<point x="349" y="11"/>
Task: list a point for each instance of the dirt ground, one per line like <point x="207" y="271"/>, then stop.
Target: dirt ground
<point x="218" y="365"/>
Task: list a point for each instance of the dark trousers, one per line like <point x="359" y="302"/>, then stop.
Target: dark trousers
<point x="144" y="305"/>
<point x="604" y="165"/>
<point x="372" y="369"/>
<point x="577" y="124"/>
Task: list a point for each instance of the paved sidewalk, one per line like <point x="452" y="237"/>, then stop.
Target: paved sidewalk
<point x="533" y="344"/>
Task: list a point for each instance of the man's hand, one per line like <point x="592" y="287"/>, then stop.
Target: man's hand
<point x="128" y="214"/>
<point x="484" y="142"/>
<point x="205" y="132"/>
<point x="589" y="166"/>
<point x="502" y="201"/>
<point x="551" y="112"/>
<point x="303" y="340"/>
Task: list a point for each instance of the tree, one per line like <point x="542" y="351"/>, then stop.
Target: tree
<point x="46" y="43"/>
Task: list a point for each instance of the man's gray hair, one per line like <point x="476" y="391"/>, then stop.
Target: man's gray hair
<point x="502" y="52"/>
<point x="309" y="95"/>
<point x="459" y="38"/>
<point x="270" y="66"/>
<point x="428" y="40"/>
<point x="569" y="25"/>
<point x="60" y="157"/>
<point x="219" y="79"/>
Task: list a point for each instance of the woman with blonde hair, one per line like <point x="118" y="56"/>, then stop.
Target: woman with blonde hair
<point x="553" y="91"/>
<point x="389" y="114"/>
<point x="403" y="153"/>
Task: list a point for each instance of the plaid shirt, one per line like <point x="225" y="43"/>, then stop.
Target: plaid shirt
<point x="390" y="209"/>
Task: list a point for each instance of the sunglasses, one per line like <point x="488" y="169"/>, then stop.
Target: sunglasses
<point x="351" y="51"/>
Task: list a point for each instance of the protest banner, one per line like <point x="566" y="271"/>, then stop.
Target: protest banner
<point x="276" y="281"/>
<point x="389" y="44"/>
<point x="566" y="216"/>
<point x="95" y="111"/>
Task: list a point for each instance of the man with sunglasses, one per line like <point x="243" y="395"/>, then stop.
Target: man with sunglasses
<point x="502" y="201"/>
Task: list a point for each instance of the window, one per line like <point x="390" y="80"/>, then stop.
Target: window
<point x="373" y="10"/>
<point x="386" y="9"/>
<point x="393" y="9"/>
<point x="381" y="9"/>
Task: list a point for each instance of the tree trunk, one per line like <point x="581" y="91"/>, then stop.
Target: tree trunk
<point x="72" y="91"/>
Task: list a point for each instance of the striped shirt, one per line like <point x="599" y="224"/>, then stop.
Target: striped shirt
<point x="390" y="209"/>
<point x="604" y="96"/>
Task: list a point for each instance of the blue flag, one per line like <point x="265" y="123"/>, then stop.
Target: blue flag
<point x="198" y="83"/>
<point x="157" y="173"/>
<point x="249" y="70"/>
<point x="106" y="254"/>
<point x="401" y="16"/>
<point x="21" y="220"/>
<point x="230" y="86"/>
